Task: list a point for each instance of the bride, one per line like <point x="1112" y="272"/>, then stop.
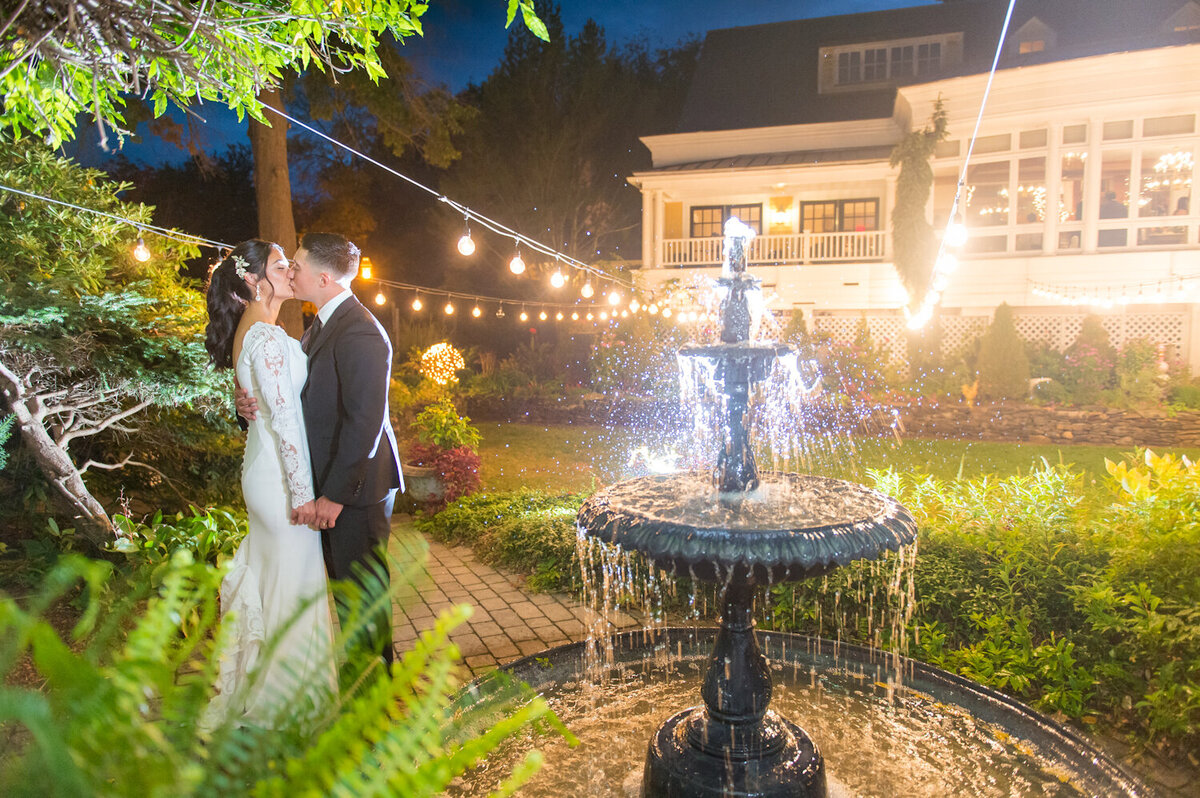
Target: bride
<point x="281" y="645"/>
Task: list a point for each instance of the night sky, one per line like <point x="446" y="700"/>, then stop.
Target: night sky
<point x="464" y="40"/>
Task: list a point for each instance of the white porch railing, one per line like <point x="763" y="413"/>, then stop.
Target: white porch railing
<point x="794" y="248"/>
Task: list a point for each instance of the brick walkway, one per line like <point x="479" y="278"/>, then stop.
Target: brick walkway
<point x="508" y="622"/>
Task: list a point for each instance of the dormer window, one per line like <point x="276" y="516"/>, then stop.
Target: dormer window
<point x="1034" y="36"/>
<point x="1187" y="18"/>
<point x="889" y="62"/>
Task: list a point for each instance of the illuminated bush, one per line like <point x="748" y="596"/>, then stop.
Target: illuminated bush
<point x="440" y="363"/>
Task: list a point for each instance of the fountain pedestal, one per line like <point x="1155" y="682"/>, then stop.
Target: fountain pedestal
<point x="733" y="745"/>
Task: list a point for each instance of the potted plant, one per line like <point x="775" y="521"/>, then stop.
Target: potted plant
<point x="444" y="462"/>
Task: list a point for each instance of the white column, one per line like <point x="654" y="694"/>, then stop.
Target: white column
<point x="1091" y="185"/>
<point x="649" y="253"/>
<point x="1053" y="188"/>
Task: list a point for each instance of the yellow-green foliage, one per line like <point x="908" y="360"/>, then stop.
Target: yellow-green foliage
<point x="118" y="713"/>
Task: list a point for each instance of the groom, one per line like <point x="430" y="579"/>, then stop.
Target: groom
<point x="356" y="470"/>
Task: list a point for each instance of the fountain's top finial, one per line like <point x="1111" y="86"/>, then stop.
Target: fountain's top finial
<point x="737" y="235"/>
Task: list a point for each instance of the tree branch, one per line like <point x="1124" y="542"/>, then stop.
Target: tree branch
<point x="67" y="437"/>
<point x="129" y="461"/>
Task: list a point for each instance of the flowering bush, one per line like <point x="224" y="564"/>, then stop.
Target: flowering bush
<point x="448" y="444"/>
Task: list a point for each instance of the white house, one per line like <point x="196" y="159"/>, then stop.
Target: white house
<point x="1078" y="197"/>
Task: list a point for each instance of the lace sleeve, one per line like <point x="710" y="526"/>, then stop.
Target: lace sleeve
<point x="269" y="362"/>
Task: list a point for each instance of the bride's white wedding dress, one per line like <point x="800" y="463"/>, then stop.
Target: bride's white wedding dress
<point x="281" y="646"/>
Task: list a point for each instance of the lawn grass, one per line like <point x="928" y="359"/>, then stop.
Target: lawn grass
<point x="580" y="457"/>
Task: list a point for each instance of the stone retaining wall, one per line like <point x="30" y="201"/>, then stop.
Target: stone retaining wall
<point x="1032" y="424"/>
<point x="997" y="422"/>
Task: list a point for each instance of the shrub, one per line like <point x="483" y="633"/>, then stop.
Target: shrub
<point x="1051" y="392"/>
<point x="440" y="425"/>
<point x="1138" y="378"/>
<point x="1003" y="366"/>
<point x="1185" y="394"/>
<point x="457" y="469"/>
<point x="1088" y="363"/>
<point x="528" y="531"/>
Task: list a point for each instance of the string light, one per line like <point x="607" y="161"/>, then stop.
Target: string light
<point x="624" y="314"/>
<point x="587" y="290"/>
<point x="517" y="265"/>
<point x="466" y="246"/>
<point x="614" y="298"/>
<point x="542" y="315"/>
<point x="666" y="313"/>
<point x="575" y="315"/>
<point x="557" y="279"/>
<point x="604" y="315"/>
<point x="524" y="316"/>
<point x="141" y="252"/>
<point x="380" y="299"/>
<point x="956" y="234"/>
<point x="365" y="269"/>
<point x="476" y="312"/>
<point x="652" y="309"/>
<point x="634" y="305"/>
<point x="416" y="303"/>
<point x="449" y="308"/>
<point x="590" y="316"/>
<point x="500" y="312"/>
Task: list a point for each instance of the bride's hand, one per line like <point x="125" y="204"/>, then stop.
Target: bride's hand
<point x="305" y="514"/>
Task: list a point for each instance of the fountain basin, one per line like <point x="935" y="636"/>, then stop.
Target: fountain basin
<point x="792" y="527"/>
<point x="936" y="734"/>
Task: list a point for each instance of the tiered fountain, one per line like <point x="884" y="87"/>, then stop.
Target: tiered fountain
<point x="741" y="528"/>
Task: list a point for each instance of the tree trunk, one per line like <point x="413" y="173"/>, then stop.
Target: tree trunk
<point x="273" y="191"/>
<point x="70" y="492"/>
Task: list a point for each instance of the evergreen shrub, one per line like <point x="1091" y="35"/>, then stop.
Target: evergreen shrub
<point x="1003" y="366"/>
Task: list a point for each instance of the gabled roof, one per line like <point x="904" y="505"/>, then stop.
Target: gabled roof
<point x="766" y="75"/>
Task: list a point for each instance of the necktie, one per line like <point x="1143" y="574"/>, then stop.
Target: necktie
<point x="310" y="335"/>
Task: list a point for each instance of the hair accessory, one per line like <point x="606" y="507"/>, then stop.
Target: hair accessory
<point x="241" y="266"/>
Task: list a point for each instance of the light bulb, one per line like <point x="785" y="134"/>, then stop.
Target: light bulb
<point x="466" y="245"/>
<point x="476" y="312"/>
<point x="624" y="314"/>
<point x="557" y="279"/>
<point x="604" y="315"/>
<point x="524" y="316"/>
<point x="141" y="252"/>
<point x="590" y="317"/>
<point x="449" y="308"/>
<point x="634" y="305"/>
<point x="542" y="315"/>
<point x="614" y="298"/>
<point x="587" y="291"/>
<point x="416" y="305"/>
<point x="575" y="316"/>
<point x="653" y="309"/>
<point x="380" y="298"/>
<point x="516" y="265"/>
<point x="500" y="312"/>
<point x="558" y="316"/>
<point x="956" y="234"/>
<point x="365" y="272"/>
<point x="666" y="313"/>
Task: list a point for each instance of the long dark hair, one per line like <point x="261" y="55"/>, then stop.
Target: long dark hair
<point x="228" y="295"/>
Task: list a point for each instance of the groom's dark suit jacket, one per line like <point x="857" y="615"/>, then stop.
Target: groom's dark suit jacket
<point x="345" y="401"/>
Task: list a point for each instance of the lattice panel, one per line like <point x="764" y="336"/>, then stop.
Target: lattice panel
<point x="1057" y="329"/>
<point x="957" y="331"/>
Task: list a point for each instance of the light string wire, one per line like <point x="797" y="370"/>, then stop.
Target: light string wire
<point x="1092" y="295"/>
<point x="175" y="235"/>
<point x="491" y="224"/>
<point x="188" y="238"/>
<point x="933" y="296"/>
<point x="453" y="294"/>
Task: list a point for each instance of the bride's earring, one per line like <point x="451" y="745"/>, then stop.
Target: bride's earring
<point x="257" y="292"/>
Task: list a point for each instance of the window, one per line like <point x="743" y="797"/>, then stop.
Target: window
<point x="839" y="216"/>
<point x="849" y="67"/>
<point x="874" y="65"/>
<point x="1070" y="188"/>
<point x="987" y="194"/>
<point x="902" y="61"/>
<point x="708" y="221"/>
<point x="1035" y="46"/>
<point x="929" y="58"/>
<point x="1166" y="181"/>
<point x="1031" y="191"/>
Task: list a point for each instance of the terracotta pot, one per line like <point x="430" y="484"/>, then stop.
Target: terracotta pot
<point x="422" y="483"/>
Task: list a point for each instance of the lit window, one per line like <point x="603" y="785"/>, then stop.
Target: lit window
<point x="1036" y="46"/>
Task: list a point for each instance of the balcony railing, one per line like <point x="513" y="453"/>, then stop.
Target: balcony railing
<point x="794" y="248"/>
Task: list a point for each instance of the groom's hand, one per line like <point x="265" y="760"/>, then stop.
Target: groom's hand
<point x="247" y="405"/>
<point x="327" y="513"/>
<point x="305" y="514"/>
